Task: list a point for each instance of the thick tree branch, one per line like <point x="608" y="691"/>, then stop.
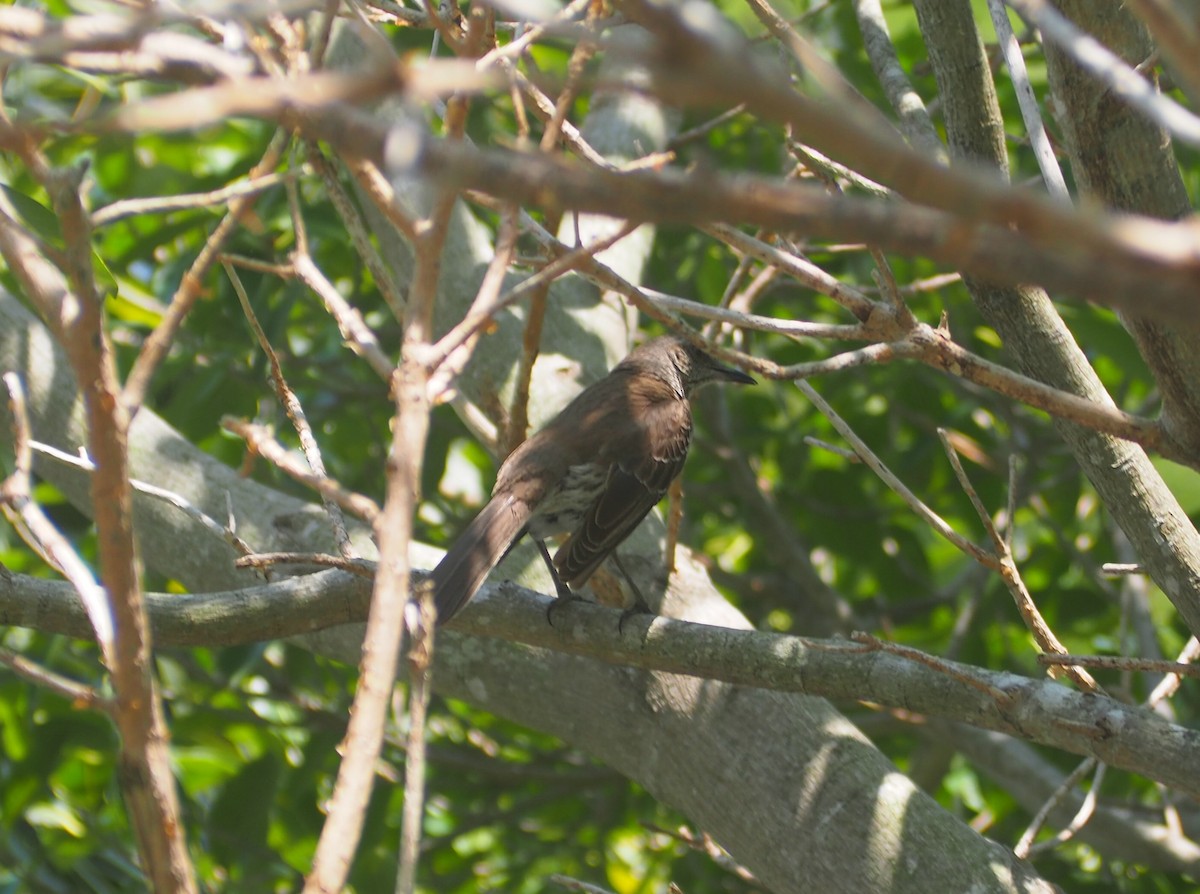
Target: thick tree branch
<point x="1040" y="711"/>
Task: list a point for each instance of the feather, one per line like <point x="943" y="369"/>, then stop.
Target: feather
<point x="479" y="548"/>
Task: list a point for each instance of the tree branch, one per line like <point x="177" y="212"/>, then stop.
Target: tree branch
<point x="1041" y="711"/>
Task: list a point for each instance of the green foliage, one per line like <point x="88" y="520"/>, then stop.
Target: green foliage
<point x="256" y="729"/>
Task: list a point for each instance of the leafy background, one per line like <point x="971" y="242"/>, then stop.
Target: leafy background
<point x="255" y="728"/>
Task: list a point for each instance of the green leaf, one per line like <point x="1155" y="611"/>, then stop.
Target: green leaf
<point x="41" y="219"/>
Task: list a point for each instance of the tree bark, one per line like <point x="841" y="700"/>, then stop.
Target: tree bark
<point x="1040" y="344"/>
<point x="1128" y="164"/>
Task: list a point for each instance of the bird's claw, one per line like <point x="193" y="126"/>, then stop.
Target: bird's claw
<point x="563" y="598"/>
<point x="638" y="608"/>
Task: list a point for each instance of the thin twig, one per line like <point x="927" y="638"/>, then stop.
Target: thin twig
<point x="420" y="619"/>
<point x="1120" y="569"/>
<point x="358" y="566"/>
<point x="159" y="342"/>
<point x="1085" y="812"/>
<point x="581" y="53"/>
<point x="454" y="349"/>
<point x="822" y="165"/>
<point x="934" y="348"/>
<point x="269" y="95"/>
<point x="885" y="279"/>
<point x="380" y="191"/>
<point x="518" y="45"/>
<point x="804" y="271"/>
<point x="295" y="412"/>
<point x="1122" y="662"/>
<point x="1168" y="685"/>
<point x="448" y="31"/>
<point x="224" y="532"/>
<point x="258" y="265"/>
<point x="320" y="44"/>
<point x="932" y="661"/>
<point x="742" y="320"/>
<point x="702" y="130"/>
<point x="577" y="885"/>
<point x="967" y="488"/>
<point x="355" y="330"/>
<point x="876" y="465"/>
<point x="1035" y="825"/>
<point x="251" y="186"/>
<point x="79" y="695"/>
<point x="16" y="492"/>
<point x="359" y="236"/>
<point x="479" y="316"/>
<point x="704" y="843"/>
<point x="259" y="439"/>
<point x="1010" y="573"/>
<point x="517" y="426"/>
<point x="1039" y="140"/>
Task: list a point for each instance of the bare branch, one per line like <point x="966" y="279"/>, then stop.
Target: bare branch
<point x="361" y="567"/>
<point x="357" y="230"/>
<point x="1042" y="150"/>
<point x="905" y="101"/>
<point x="1010" y="573"/>
<point x="354" y="328"/>
<point x="393" y="591"/>
<point x="179" y="502"/>
<point x="126" y="208"/>
<point x="155" y="349"/>
<point x="292" y="406"/>
<point x="875" y="464"/>
<point x="259" y="440"/>
<point x="117" y="609"/>
<point x="79" y="695"/>
<point x="1111" y="70"/>
<point x="1123" y="736"/>
<point x="17" y="487"/>
<point x="1121" y="662"/>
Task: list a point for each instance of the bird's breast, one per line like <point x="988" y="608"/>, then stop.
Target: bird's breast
<point x="563" y="508"/>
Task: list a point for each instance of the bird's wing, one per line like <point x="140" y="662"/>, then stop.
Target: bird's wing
<point x="638" y="478"/>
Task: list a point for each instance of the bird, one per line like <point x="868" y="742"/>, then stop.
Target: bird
<point x="592" y="473"/>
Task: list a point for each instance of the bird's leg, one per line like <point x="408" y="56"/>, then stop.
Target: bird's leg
<point x="564" y="592"/>
<point x="640" y="606"/>
<point x="560" y="586"/>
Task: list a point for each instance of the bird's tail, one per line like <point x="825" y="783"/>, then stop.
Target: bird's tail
<point x="475" y="553"/>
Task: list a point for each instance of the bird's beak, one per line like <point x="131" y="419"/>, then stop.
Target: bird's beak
<point x="731" y="374"/>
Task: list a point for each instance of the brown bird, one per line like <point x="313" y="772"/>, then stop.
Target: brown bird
<point x="593" y="472"/>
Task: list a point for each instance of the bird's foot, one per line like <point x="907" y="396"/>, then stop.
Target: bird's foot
<point x="564" y="596"/>
<point x="638" y="608"/>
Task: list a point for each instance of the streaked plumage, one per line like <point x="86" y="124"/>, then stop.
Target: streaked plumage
<point x="593" y="473"/>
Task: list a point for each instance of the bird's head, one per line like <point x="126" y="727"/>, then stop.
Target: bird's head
<point x="684" y="365"/>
